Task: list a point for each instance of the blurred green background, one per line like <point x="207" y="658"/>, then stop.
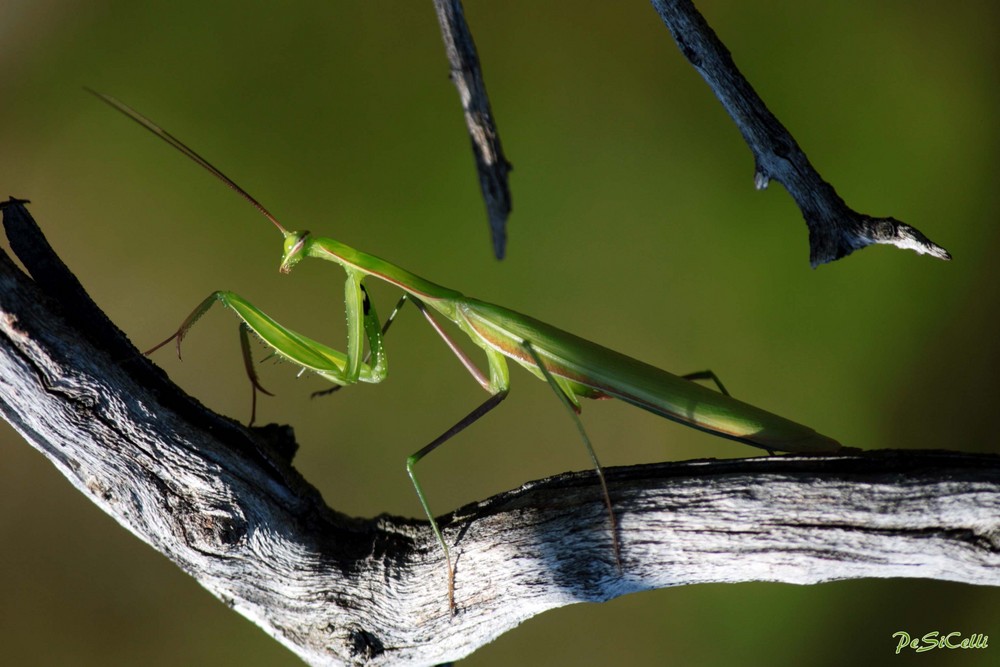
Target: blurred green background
<point x="635" y="225"/>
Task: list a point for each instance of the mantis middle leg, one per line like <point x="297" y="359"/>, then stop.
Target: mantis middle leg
<point x="498" y="385"/>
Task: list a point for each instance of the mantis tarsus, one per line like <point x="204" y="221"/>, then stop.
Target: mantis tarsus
<point x="575" y="368"/>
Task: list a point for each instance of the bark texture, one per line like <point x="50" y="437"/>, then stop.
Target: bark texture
<point x="225" y="504"/>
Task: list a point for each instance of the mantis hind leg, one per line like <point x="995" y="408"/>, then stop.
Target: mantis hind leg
<point x="710" y="375"/>
<point x="569" y="400"/>
<point x="707" y="375"/>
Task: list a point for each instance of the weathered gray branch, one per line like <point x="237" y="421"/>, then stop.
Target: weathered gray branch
<point x="491" y="164"/>
<point x="223" y="503"/>
<point x="835" y="230"/>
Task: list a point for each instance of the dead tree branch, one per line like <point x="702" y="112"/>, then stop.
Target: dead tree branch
<point x="491" y="164"/>
<point x="835" y="230"/>
<point x="224" y="503"/>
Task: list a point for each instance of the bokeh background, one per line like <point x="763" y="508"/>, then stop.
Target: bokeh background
<point x="635" y="224"/>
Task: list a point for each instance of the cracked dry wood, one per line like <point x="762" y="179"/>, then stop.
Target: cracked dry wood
<point x="222" y="504"/>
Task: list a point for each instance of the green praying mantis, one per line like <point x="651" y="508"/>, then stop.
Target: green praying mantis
<point x="573" y="367"/>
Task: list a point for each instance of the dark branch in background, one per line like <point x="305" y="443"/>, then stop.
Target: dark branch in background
<point x="226" y="507"/>
<point x="468" y="79"/>
<point x="835" y="230"/>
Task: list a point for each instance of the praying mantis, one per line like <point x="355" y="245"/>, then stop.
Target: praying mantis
<point x="573" y="367"/>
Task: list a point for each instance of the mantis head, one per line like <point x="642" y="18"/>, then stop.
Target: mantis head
<point x="296" y="243"/>
<point x="294" y="250"/>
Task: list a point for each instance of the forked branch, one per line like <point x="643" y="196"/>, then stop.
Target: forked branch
<point x="225" y="504"/>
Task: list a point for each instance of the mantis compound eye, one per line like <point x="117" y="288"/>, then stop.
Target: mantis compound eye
<point x="294" y="250"/>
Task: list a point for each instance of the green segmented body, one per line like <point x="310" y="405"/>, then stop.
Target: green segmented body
<point x="574" y="367"/>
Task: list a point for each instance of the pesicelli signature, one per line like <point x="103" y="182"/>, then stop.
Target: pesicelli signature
<point x="935" y="639"/>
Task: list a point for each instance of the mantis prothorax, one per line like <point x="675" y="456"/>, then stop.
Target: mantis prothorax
<point x="575" y="368"/>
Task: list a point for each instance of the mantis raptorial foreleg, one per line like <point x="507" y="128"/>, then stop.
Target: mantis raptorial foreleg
<point x="368" y="355"/>
<point x="568" y="398"/>
<point x="336" y="367"/>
